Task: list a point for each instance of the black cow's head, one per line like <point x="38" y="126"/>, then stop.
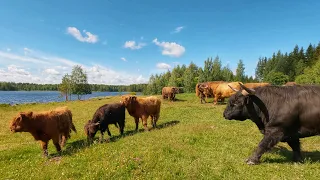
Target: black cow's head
<point x="237" y="107"/>
<point x="91" y="129"/>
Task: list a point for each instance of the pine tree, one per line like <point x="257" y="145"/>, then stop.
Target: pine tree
<point x="201" y="77"/>
<point x="216" y="70"/>
<point x="207" y="69"/>
<point x="227" y="74"/>
<point x="240" y="76"/>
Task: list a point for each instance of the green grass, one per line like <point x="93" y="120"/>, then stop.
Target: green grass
<point x="194" y="141"/>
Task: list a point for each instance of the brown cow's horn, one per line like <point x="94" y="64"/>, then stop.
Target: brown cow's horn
<point x="235" y="90"/>
<point x="249" y="90"/>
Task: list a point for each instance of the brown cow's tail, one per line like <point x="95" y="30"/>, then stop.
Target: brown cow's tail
<point x="72" y="127"/>
<point x="197" y="90"/>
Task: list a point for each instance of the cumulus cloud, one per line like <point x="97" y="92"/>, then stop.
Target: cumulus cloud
<point x="133" y="45"/>
<point x="178" y="29"/>
<point x="89" y="37"/>
<point x="51" y="71"/>
<point x="163" y="66"/>
<point x="170" y="48"/>
<point x="123" y="59"/>
<point x="43" y="68"/>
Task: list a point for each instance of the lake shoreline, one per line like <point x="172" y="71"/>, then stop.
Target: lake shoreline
<point x="12" y="98"/>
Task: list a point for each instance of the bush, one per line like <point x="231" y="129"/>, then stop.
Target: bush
<point x="277" y="78"/>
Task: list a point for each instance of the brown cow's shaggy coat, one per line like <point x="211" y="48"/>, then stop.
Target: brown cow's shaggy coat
<point x="207" y="89"/>
<point x="223" y="91"/>
<point x="44" y="126"/>
<point x="143" y="108"/>
<point x="170" y="93"/>
<point x="254" y="85"/>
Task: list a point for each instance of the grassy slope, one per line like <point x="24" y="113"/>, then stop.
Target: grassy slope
<point x="202" y="145"/>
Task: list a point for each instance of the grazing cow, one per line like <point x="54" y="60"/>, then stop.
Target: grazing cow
<point x="202" y="91"/>
<point x="143" y="108"/>
<point x="253" y="85"/>
<point x="105" y="115"/>
<point x="170" y="93"/>
<point x="206" y="89"/>
<point x="44" y="126"/>
<point x="223" y="91"/>
<point x="290" y="84"/>
<point x="282" y="113"/>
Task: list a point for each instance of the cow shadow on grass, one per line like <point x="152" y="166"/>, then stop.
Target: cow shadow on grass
<point x="78" y="145"/>
<point x="133" y="132"/>
<point x="311" y="157"/>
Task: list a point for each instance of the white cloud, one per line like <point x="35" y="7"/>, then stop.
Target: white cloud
<point x="43" y="68"/>
<point x="170" y="48"/>
<point x="123" y="59"/>
<point x="27" y="51"/>
<point x="51" y="71"/>
<point x="89" y="38"/>
<point x="163" y="66"/>
<point x="178" y="29"/>
<point x="133" y="45"/>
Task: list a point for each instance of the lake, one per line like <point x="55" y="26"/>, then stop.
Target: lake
<point x="20" y="97"/>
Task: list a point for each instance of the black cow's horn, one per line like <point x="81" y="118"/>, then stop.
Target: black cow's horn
<point x="235" y="90"/>
<point x="249" y="90"/>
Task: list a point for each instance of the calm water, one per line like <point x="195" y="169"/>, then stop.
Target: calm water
<point x="20" y="97"/>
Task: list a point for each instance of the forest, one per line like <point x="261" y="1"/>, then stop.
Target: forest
<point x="11" y="86"/>
<point x="299" y="65"/>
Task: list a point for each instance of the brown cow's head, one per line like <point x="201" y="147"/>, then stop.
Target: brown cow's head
<point x="175" y="90"/>
<point x="20" y="122"/>
<point x="91" y="129"/>
<point x="128" y="99"/>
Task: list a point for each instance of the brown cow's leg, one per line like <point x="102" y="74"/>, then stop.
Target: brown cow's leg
<point x="145" y="122"/>
<point x="270" y="139"/>
<point x="55" y="141"/>
<point x="137" y="123"/>
<point x="44" y="145"/>
<point x="62" y="140"/>
<point x="156" y="117"/>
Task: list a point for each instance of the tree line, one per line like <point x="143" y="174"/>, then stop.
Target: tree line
<point x="188" y="76"/>
<point x="299" y="65"/>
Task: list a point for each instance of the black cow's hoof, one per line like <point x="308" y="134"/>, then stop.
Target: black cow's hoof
<point x="252" y="162"/>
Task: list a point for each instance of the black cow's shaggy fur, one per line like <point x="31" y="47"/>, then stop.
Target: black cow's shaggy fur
<point x="282" y="113"/>
<point x="105" y="115"/>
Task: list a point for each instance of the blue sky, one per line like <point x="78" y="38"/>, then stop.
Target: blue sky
<point x="124" y="42"/>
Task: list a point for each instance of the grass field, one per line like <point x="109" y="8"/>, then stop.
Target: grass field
<point x="193" y="141"/>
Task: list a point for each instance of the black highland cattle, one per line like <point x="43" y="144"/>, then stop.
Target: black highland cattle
<point x="282" y="113"/>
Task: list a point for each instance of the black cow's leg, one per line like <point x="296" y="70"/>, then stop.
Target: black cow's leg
<point x="121" y="125"/>
<point x="101" y="137"/>
<point x="295" y="145"/>
<point x="270" y="139"/>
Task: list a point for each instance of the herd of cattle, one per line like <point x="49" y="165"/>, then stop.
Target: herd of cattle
<point x="282" y="113"/>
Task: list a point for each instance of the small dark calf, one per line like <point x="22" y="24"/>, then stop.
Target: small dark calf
<point x="105" y="115"/>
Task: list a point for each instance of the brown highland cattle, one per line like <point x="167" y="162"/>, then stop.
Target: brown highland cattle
<point x="54" y="124"/>
<point x="253" y="85"/>
<point x="223" y="91"/>
<point x="143" y="108"/>
<point x="170" y="93"/>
